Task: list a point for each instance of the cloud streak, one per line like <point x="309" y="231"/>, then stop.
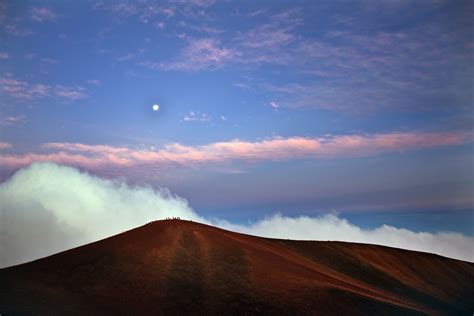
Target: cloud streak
<point x="12" y="120"/>
<point x="68" y="208"/>
<point x="274" y="149"/>
<point x="43" y="15"/>
<point x="197" y="55"/>
<point x="196" y="117"/>
<point x="5" y="145"/>
<point x="23" y="90"/>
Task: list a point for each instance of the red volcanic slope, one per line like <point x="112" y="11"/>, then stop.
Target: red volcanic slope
<point x="182" y="267"/>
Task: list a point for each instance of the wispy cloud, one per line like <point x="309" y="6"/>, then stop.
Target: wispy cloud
<point x="124" y="9"/>
<point x="15" y="30"/>
<point x="274" y="149"/>
<point x="69" y="93"/>
<point x="43" y="15"/>
<point x="160" y="25"/>
<point x="23" y="90"/>
<point x="94" y="149"/>
<point x="343" y="69"/>
<point x="265" y="43"/>
<point x="275" y="105"/>
<point x="257" y="12"/>
<point x="4" y="55"/>
<point x="148" y="11"/>
<point x="50" y="61"/>
<point x="404" y="71"/>
<point x="145" y="11"/>
<point x="5" y="145"/>
<point x="94" y="82"/>
<point x="12" y="120"/>
<point x="199" y="3"/>
<point x="196" y="116"/>
<point x="210" y="30"/>
<point x="124" y="57"/>
<point x="271" y="42"/>
<point x="198" y="54"/>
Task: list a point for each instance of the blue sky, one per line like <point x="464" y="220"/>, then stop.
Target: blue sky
<point x="297" y="107"/>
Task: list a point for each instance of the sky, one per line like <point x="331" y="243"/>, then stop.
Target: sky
<point x="300" y="108"/>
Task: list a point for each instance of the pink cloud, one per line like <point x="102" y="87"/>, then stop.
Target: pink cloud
<point x="145" y="11"/>
<point x="22" y="90"/>
<point x="80" y="160"/>
<point x="266" y="43"/>
<point x="269" y="42"/>
<point x="69" y="93"/>
<point x="5" y="145"/>
<point x="42" y="15"/>
<point x="14" y="30"/>
<point x="12" y="120"/>
<point x="33" y="91"/>
<point x="274" y="149"/>
<point x="86" y="148"/>
<point x="198" y="3"/>
<point x="197" y="55"/>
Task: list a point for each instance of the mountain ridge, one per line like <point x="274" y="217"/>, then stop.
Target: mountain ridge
<point x="178" y="266"/>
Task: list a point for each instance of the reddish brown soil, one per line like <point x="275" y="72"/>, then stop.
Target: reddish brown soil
<point x="181" y="267"/>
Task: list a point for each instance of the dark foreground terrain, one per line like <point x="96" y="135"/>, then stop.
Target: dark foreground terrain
<point x="181" y="267"/>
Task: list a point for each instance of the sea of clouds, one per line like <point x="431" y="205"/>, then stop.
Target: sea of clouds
<point x="46" y="208"/>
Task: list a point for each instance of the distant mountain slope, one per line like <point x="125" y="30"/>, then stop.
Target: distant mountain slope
<point x="176" y="267"/>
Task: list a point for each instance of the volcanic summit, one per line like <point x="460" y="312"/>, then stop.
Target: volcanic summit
<point x="183" y="267"/>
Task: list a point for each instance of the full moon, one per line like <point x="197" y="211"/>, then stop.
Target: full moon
<point x="156" y="107"/>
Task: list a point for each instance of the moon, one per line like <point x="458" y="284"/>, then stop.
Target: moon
<point x="155" y="107"/>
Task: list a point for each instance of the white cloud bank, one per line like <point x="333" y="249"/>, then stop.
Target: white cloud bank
<point x="46" y="208"/>
<point x="332" y="227"/>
